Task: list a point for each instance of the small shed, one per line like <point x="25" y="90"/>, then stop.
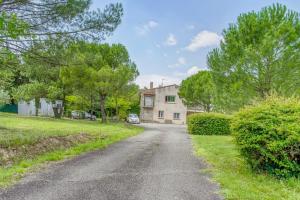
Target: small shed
<point x="44" y="109"/>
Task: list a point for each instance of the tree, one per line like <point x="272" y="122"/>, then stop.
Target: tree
<point x="4" y="97"/>
<point x="32" y="32"/>
<point x="128" y="101"/>
<point x="259" y="54"/>
<point x="44" y="73"/>
<point x="121" y="84"/>
<point x="198" y="90"/>
<point x="98" y="69"/>
<point x="23" y="22"/>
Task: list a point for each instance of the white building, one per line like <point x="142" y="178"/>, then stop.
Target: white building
<point x="163" y="105"/>
<point x="45" y="108"/>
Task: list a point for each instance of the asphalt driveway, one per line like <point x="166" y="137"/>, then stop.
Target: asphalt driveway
<point x="157" y="164"/>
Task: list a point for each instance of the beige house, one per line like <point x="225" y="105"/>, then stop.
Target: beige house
<point x="162" y="105"/>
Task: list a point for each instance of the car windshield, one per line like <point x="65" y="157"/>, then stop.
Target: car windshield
<point x="133" y="116"/>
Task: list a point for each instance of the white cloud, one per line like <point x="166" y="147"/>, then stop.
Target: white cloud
<point x="171" y="40"/>
<point x="144" y="80"/>
<point x="152" y="24"/>
<point x="180" y="61"/>
<point x="193" y="70"/>
<point x="204" y="39"/>
<point x="144" y="29"/>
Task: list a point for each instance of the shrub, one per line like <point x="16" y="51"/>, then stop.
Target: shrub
<point x="209" y="124"/>
<point x="268" y="136"/>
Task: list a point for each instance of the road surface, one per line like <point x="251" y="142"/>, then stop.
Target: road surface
<point x="156" y="165"/>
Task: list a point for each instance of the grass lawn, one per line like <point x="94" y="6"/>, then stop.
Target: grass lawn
<point x="25" y="134"/>
<point x="236" y="179"/>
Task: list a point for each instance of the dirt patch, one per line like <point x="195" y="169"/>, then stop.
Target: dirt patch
<point x="9" y="156"/>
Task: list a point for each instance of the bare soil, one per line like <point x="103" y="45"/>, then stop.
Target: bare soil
<point x="10" y="155"/>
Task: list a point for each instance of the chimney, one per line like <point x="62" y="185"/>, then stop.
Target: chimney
<point x="151" y="85"/>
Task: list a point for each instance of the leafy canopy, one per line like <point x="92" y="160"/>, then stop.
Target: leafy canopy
<point x="198" y="90"/>
<point x="23" y="22"/>
<point x="259" y="54"/>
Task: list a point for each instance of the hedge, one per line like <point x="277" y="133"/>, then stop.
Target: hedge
<point x="268" y="136"/>
<point x="209" y="124"/>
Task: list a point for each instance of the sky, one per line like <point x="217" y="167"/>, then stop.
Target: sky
<point x="169" y="39"/>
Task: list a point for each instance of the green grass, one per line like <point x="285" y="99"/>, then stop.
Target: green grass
<point x="18" y="131"/>
<point x="237" y="180"/>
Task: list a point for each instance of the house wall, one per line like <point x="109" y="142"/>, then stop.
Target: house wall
<point x="169" y="108"/>
<point x="151" y="114"/>
<point x="146" y="114"/>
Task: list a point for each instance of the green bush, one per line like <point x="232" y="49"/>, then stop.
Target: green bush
<point x="268" y="136"/>
<point x="209" y="124"/>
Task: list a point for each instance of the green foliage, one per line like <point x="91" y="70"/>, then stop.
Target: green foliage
<point x="100" y="71"/>
<point x="30" y="91"/>
<point x="259" y="55"/>
<point x="4" y="97"/>
<point x="71" y="19"/>
<point x="237" y="180"/>
<point x="268" y="136"/>
<point x="209" y="124"/>
<point x="198" y="90"/>
<point x="76" y="102"/>
<point x="11" y="26"/>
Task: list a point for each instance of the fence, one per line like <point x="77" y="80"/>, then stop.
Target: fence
<point x="10" y="108"/>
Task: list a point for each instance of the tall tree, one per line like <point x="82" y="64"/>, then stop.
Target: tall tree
<point x="122" y="82"/>
<point x="25" y="21"/>
<point x="259" y="54"/>
<point x="198" y="90"/>
<point x="100" y="69"/>
<point x="29" y="28"/>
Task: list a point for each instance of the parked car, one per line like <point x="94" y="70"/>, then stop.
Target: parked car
<point x="133" y="119"/>
<point x="75" y="114"/>
<point x="89" y="116"/>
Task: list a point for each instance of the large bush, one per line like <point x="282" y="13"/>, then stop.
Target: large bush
<point x="209" y="124"/>
<point x="268" y="136"/>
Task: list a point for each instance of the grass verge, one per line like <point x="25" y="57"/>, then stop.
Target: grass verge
<point x="24" y="132"/>
<point x="237" y="180"/>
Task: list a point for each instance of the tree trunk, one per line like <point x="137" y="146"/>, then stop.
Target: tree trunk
<point x="117" y="108"/>
<point x="36" y="104"/>
<point x="102" y="108"/>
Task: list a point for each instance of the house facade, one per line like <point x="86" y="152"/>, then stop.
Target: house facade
<point x="162" y="105"/>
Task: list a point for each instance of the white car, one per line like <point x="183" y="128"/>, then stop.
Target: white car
<point x="89" y="116"/>
<point x="133" y="119"/>
<point x="75" y="114"/>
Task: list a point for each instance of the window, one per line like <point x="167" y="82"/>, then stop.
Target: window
<point x="148" y="101"/>
<point x="176" y="115"/>
<point x="170" y="99"/>
<point x="160" y="114"/>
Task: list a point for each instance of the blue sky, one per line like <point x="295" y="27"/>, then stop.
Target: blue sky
<point x="169" y="39"/>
